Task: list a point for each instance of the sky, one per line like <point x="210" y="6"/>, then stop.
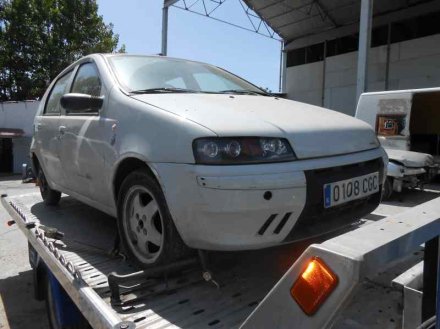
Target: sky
<point x="247" y="54"/>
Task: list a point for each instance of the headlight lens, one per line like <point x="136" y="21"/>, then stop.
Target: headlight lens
<point x="242" y="150"/>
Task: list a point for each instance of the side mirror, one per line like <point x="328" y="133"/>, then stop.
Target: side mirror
<point x="81" y="103"/>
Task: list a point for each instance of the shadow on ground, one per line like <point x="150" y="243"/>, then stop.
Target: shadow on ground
<point x="20" y="307"/>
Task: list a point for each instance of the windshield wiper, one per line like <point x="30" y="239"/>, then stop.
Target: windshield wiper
<point x="242" y="91"/>
<point x="162" y="90"/>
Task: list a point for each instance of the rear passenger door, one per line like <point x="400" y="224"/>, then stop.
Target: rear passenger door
<point x="48" y="135"/>
<point x="81" y="154"/>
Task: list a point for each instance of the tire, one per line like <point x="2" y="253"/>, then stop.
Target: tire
<point x="146" y="229"/>
<point x="52" y="309"/>
<point x="50" y="197"/>
<point x="387" y="189"/>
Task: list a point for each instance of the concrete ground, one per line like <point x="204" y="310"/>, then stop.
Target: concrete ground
<point x="19" y="310"/>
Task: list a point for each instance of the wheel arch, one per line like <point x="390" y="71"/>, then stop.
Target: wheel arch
<point x="125" y="167"/>
<point x="35" y="163"/>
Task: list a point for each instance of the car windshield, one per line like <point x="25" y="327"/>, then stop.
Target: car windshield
<point x="141" y="74"/>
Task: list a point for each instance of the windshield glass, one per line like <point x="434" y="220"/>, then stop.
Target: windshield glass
<point x="141" y="73"/>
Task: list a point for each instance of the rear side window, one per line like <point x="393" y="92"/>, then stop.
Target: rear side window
<point x="390" y="125"/>
<point x="58" y="90"/>
<point x="87" y="80"/>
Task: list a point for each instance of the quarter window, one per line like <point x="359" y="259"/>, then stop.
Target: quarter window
<point x="87" y="80"/>
<point x="58" y="90"/>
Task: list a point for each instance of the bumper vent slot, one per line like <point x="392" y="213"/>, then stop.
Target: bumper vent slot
<point x="282" y="223"/>
<point x="266" y="224"/>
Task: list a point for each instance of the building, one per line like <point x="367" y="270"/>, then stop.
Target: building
<point x="323" y="66"/>
<point x="16" y="128"/>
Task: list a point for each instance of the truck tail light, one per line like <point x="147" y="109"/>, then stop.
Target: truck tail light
<point x="313" y="286"/>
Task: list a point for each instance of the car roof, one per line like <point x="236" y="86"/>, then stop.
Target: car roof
<point x="108" y="55"/>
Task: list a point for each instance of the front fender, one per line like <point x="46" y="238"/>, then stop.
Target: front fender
<point x="395" y="170"/>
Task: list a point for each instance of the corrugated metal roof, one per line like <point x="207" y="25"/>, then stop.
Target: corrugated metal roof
<point x="293" y="19"/>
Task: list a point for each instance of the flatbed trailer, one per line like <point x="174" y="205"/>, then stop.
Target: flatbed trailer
<point x="216" y="292"/>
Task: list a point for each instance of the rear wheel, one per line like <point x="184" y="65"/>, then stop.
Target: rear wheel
<point x="147" y="231"/>
<point x="61" y="312"/>
<point x="50" y="197"/>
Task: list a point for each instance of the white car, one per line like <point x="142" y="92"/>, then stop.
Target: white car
<point x="407" y="169"/>
<point x="185" y="154"/>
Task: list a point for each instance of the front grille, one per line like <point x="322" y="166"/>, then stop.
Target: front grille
<point x="315" y="219"/>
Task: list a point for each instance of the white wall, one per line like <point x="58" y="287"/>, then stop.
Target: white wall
<point x="413" y="64"/>
<point x="20" y="148"/>
<point x="19" y="115"/>
<point x="304" y="83"/>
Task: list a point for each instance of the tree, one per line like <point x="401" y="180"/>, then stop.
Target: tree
<point x="39" y="38"/>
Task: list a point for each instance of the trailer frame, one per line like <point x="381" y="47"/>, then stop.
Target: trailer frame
<point x="353" y="256"/>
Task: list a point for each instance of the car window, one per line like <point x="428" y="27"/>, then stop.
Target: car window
<point x="176" y="83"/>
<point x="58" y="90"/>
<point x="390" y="125"/>
<point x="208" y="81"/>
<point x="140" y="73"/>
<point x="87" y="80"/>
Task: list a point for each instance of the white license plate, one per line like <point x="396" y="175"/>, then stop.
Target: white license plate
<point x="350" y="189"/>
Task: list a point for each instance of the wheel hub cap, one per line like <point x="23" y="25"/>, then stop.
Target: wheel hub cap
<point x="143" y="224"/>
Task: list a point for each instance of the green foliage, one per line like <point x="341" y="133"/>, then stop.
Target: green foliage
<point x="39" y="38"/>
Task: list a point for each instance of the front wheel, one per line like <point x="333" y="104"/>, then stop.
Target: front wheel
<point x="50" y="197"/>
<point x="387" y="189"/>
<point x="147" y="231"/>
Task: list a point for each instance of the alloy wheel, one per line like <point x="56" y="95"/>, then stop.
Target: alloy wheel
<point x="143" y="224"/>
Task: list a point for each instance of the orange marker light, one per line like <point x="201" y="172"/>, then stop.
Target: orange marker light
<point x="313" y="286"/>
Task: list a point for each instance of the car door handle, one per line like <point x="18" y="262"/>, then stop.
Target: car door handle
<point x="61" y="130"/>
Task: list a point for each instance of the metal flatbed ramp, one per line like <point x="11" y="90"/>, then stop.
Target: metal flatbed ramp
<point x="81" y="262"/>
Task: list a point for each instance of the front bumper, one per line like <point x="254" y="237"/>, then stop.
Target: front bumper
<point x="256" y="206"/>
<point x="405" y="177"/>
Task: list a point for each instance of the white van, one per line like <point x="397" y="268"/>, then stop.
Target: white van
<point x="407" y="123"/>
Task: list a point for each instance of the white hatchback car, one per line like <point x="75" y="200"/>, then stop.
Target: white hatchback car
<point x="187" y="154"/>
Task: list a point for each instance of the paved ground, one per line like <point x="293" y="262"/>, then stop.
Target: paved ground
<point x="18" y="309"/>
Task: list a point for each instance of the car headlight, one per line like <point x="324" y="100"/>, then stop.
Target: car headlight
<point x="241" y="150"/>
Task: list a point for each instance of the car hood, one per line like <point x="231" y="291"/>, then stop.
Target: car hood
<point x="409" y="158"/>
<point x="311" y="130"/>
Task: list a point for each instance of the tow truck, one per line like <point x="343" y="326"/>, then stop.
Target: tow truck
<point x="87" y="283"/>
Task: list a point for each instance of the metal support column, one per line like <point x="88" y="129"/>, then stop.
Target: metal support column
<point x="430" y="278"/>
<point x="324" y="67"/>
<point x="364" y="46"/>
<point x="437" y="312"/>
<point x="283" y="69"/>
<point x="166" y="5"/>
<point x="387" y="67"/>
<point x="284" y="82"/>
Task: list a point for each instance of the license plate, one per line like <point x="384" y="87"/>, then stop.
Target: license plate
<point x="350" y="189"/>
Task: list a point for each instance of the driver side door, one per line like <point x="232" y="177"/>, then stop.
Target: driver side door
<point x="81" y="143"/>
<point x="48" y="135"/>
